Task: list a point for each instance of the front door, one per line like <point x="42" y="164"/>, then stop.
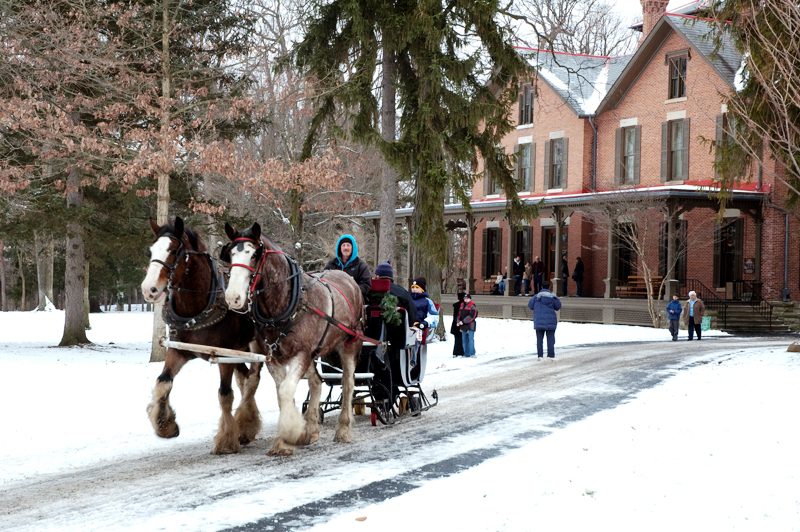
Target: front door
<point x="728" y="253"/>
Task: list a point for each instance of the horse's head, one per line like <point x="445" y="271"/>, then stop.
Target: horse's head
<point x="164" y="254"/>
<point x="242" y="252"/>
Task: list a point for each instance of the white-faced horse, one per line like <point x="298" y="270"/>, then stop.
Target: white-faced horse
<point x="299" y="317"/>
<point x="185" y="277"/>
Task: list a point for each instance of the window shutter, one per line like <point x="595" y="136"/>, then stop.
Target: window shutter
<point x="719" y="138"/>
<point x="618" y="140"/>
<point x="486" y="179"/>
<point x="485" y="247"/>
<point x="664" y="151"/>
<point x="521" y="107"/>
<point x="533" y="166"/>
<point x="548" y="172"/>
<point x="686" y="148"/>
<point x="566" y="165"/>
<point x="637" y="154"/>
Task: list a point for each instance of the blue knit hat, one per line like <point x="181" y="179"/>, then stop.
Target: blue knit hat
<point x="384" y="269"/>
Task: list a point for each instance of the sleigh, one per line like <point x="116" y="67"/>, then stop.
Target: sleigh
<point x="389" y="370"/>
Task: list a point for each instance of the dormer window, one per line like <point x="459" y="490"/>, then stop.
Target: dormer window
<point x="526" y="105"/>
<point x="677" y="74"/>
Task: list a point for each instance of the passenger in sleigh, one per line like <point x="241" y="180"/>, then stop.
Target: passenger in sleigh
<point x="427" y="314"/>
<point x="404" y="300"/>
<point x="396" y="332"/>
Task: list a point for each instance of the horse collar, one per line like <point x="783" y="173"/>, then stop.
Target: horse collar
<point x="213" y="312"/>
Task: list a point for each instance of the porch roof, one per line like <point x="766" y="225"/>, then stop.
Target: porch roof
<point x="685" y="193"/>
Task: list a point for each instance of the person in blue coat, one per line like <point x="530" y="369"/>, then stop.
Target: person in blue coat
<point x="545" y="320"/>
<point x="674" y="314"/>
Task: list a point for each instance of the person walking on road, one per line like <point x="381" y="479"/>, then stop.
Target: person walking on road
<point x="693" y="314"/>
<point x="545" y="320"/>
<point x="674" y="314"/>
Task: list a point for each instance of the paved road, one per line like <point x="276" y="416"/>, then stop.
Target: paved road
<point x="513" y="401"/>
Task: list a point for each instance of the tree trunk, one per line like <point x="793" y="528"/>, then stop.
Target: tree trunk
<point x="74" y="276"/>
<point x="86" y="307"/>
<point x="387" y="240"/>
<point x="21" y="268"/>
<point x="2" y="277"/>
<point x="158" y="352"/>
<point x="44" y="248"/>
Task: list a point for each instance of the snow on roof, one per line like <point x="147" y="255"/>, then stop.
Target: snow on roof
<point x="581" y="80"/>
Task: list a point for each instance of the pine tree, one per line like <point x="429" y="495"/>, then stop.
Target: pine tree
<point x="456" y="78"/>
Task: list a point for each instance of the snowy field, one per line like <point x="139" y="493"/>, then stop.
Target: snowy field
<point x="712" y="448"/>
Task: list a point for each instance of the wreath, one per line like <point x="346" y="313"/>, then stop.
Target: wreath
<point x="389" y="310"/>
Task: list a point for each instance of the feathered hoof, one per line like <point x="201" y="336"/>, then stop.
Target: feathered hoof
<point x="162" y="418"/>
<point x="281" y="449"/>
<point x="308" y="438"/>
<point x="226" y="449"/>
<point x="343" y="436"/>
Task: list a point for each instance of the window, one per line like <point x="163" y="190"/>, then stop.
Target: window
<point x="526" y="105"/>
<point x="675" y="150"/>
<point x="677" y="76"/>
<point x="492" y="247"/>
<point x="628" y="142"/>
<point x="556" y="163"/>
<point x="524" y="166"/>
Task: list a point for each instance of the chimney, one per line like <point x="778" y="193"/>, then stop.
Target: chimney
<point x="652" y="11"/>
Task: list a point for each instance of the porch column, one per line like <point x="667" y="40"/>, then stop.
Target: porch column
<point x="759" y="222"/>
<point x="670" y="286"/>
<point x="510" y="257"/>
<point x="610" y="281"/>
<point x="556" y="283"/>
<point x="471" y="227"/>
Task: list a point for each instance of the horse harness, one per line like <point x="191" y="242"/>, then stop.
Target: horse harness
<point x="281" y="325"/>
<point x="215" y="309"/>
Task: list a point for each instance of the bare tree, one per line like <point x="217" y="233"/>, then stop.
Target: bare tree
<point x="637" y="222"/>
<point x="764" y="112"/>
<point x="575" y="26"/>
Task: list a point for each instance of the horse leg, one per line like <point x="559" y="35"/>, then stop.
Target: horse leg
<point x="290" y="422"/>
<point x="348" y="352"/>
<point x="227" y="439"/>
<point x="161" y="414"/>
<point x="247" y="417"/>
<point x="312" y="410"/>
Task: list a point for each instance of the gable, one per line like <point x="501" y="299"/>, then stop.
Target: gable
<point x="696" y="33"/>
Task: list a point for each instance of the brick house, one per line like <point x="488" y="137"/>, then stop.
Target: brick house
<point x="594" y="129"/>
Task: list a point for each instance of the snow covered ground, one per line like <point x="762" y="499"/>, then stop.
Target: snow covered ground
<point x="712" y="448"/>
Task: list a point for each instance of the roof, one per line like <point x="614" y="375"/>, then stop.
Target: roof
<point x="697" y="32"/>
<point x="683" y="192"/>
<point x="582" y="81"/>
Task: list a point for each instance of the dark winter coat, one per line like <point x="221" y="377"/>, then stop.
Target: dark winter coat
<point x="577" y="273"/>
<point x="421" y="304"/>
<point x="467" y="315"/>
<point x="674" y="310"/>
<point x="544" y="306"/>
<point x="355" y="267"/>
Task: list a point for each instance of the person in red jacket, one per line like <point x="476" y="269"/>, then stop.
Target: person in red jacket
<point x="467" y="314"/>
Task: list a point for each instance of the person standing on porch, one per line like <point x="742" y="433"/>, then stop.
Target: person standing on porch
<point x="577" y="276"/>
<point x="693" y="314"/>
<point x="517" y="270"/>
<point x="564" y="274"/>
<point x="538" y="274"/>
<point x="527" y="279"/>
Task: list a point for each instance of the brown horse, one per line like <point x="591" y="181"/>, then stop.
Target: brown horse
<point x="298" y="317"/>
<point x="183" y="275"/>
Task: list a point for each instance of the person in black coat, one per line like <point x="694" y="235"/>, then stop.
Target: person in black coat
<point x="347" y="260"/>
<point x="455" y="330"/>
<point x="564" y="274"/>
<point x="577" y="276"/>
